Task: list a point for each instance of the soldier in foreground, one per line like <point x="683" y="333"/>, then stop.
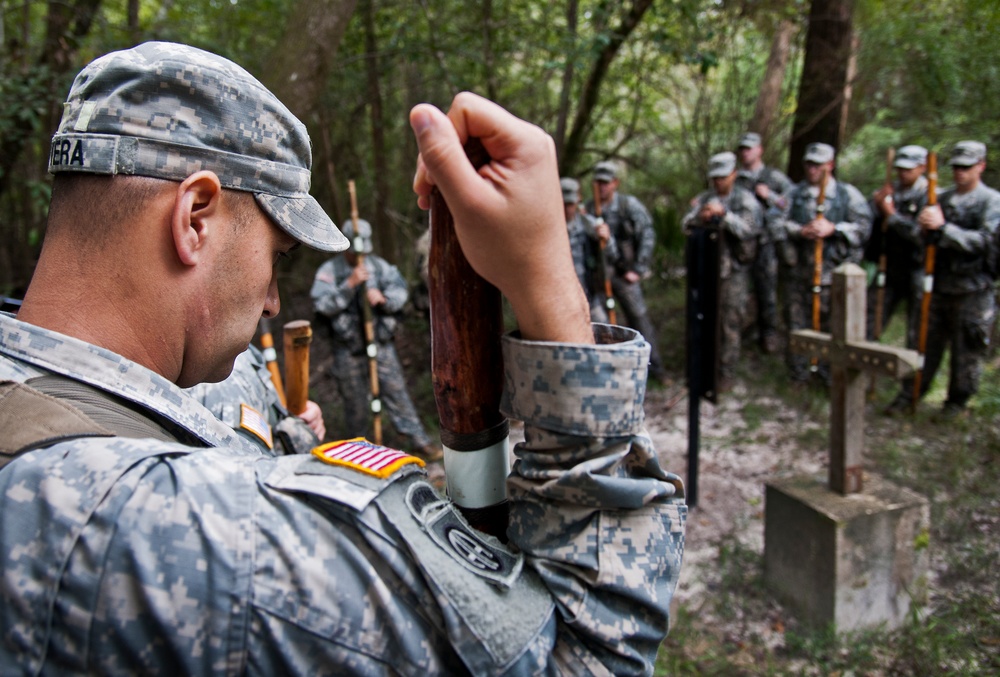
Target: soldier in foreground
<point x="585" y="241"/>
<point x="963" y="227"/>
<point x="632" y="230"/>
<point x="843" y="224"/>
<point x="139" y="534"/>
<point x="336" y="295"/>
<point x="770" y="186"/>
<point x="735" y="213"/>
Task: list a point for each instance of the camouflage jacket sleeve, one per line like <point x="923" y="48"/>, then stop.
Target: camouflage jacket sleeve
<point x="644" y="233"/>
<point x="744" y="218"/>
<point x="126" y="555"/>
<point x="610" y="249"/>
<point x="390" y="282"/>
<point x="599" y="520"/>
<point x="977" y="239"/>
<point x="857" y="226"/>
<point x="330" y="293"/>
<point x="780" y="186"/>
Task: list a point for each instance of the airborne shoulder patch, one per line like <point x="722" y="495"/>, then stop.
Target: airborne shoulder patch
<point x="361" y="455"/>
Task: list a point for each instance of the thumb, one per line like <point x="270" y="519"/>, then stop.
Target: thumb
<point x="443" y="162"/>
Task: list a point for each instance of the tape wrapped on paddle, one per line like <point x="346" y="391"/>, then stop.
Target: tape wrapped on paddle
<point x="467" y="365"/>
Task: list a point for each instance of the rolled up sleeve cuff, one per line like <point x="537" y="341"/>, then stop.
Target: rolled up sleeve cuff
<point x="584" y="390"/>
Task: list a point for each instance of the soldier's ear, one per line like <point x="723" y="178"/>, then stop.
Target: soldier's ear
<point x="193" y="220"/>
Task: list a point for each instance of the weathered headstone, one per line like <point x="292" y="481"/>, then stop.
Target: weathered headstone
<point x="850" y="552"/>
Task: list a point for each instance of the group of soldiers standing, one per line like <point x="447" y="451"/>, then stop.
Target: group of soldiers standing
<point x="777" y="235"/>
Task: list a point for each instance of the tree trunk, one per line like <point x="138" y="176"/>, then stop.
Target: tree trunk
<point x="385" y="235"/>
<point x="591" y="88"/>
<point x="567" y="80"/>
<point x="824" y="80"/>
<point x="769" y="97"/>
<point x="66" y="25"/>
<point x="301" y="61"/>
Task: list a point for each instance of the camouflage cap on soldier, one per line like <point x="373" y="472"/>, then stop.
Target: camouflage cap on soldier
<point x="360" y="237"/>
<point x="605" y="171"/>
<point x="909" y="157"/>
<point x="570" y="190"/>
<point x="721" y="164"/>
<point x="749" y="140"/>
<point x="166" y="110"/>
<point x="967" y="153"/>
<point x="818" y="153"/>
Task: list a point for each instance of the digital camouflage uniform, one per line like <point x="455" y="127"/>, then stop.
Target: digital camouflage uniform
<point x="248" y="402"/>
<point x="207" y="556"/>
<point x="632" y="230"/>
<point x="741" y="224"/>
<point x="586" y="250"/>
<point x="848" y="210"/>
<point x="142" y="556"/>
<point x="335" y="300"/>
<point x="904" y="248"/>
<point x="963" y="306"/>
<point x="764" y="269"/>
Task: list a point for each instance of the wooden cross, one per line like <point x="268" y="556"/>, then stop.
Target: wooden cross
<point x="850" y="357"/>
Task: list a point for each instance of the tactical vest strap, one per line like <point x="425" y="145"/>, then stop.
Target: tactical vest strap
<point x="46" y="410"/>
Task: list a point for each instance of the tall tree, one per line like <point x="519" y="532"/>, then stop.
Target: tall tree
<point x="824" y="82"/>
<point x="385" y="236"/>
<point x="301" y="61"/>
<point x="67" y="24"/>
<point x="769" y="99"/>
<point x="613" y="39"/>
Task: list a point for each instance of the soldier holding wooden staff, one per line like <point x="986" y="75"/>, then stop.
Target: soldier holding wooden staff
<point x="841" y="227"/>
<point x="138" y="533"/>
<point x="963" y="228"/>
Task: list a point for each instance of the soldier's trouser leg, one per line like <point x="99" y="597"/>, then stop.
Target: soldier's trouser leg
<point x="891" y="298"/>
<point x="735" y="294"/>
<point x="598" y="311"/>
<point x="970" y="344"/>
<point x="940" y="330"/>
<point x="396" y="397"/>
<point x="631" y="302"/>
<point x="800" y="304"/>
<point x="350" y="373"/>
<point x="765" y="289"/>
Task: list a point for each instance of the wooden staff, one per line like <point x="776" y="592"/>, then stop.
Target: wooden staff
<point x="818" y="263"/>
<point x="883" y="261"/>
<point x="368" y="320"/>
<point x="467" y="369"/>
<point x="930" y="251"/>
<point x="602" y="261"/>
<point x="271" y="358"/>
<point x="298" y="336"/>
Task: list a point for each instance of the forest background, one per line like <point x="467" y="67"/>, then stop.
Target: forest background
<point x="658" y="86"/>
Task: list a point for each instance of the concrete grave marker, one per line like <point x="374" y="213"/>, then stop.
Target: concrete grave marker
<point x="847" y="553"/>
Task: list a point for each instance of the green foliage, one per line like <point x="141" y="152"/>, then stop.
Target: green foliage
<point x="929" y="70"/>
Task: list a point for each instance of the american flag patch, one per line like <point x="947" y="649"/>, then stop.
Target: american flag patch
<point x="362" y="455"/>
<point x="254" y="421"/>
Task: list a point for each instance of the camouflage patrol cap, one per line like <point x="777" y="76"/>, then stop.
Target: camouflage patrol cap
<point x="721" y="164"/>
<point x="749" y="140"/>
<point x="967" y="153"/>
<point x="909" y="157"/>
<point x="605" y="171"/>
<point x="818" y="153"/>
<point x="570" y="190"/>
<point x="360" y="237"/>
<point x="167" y="110"/>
